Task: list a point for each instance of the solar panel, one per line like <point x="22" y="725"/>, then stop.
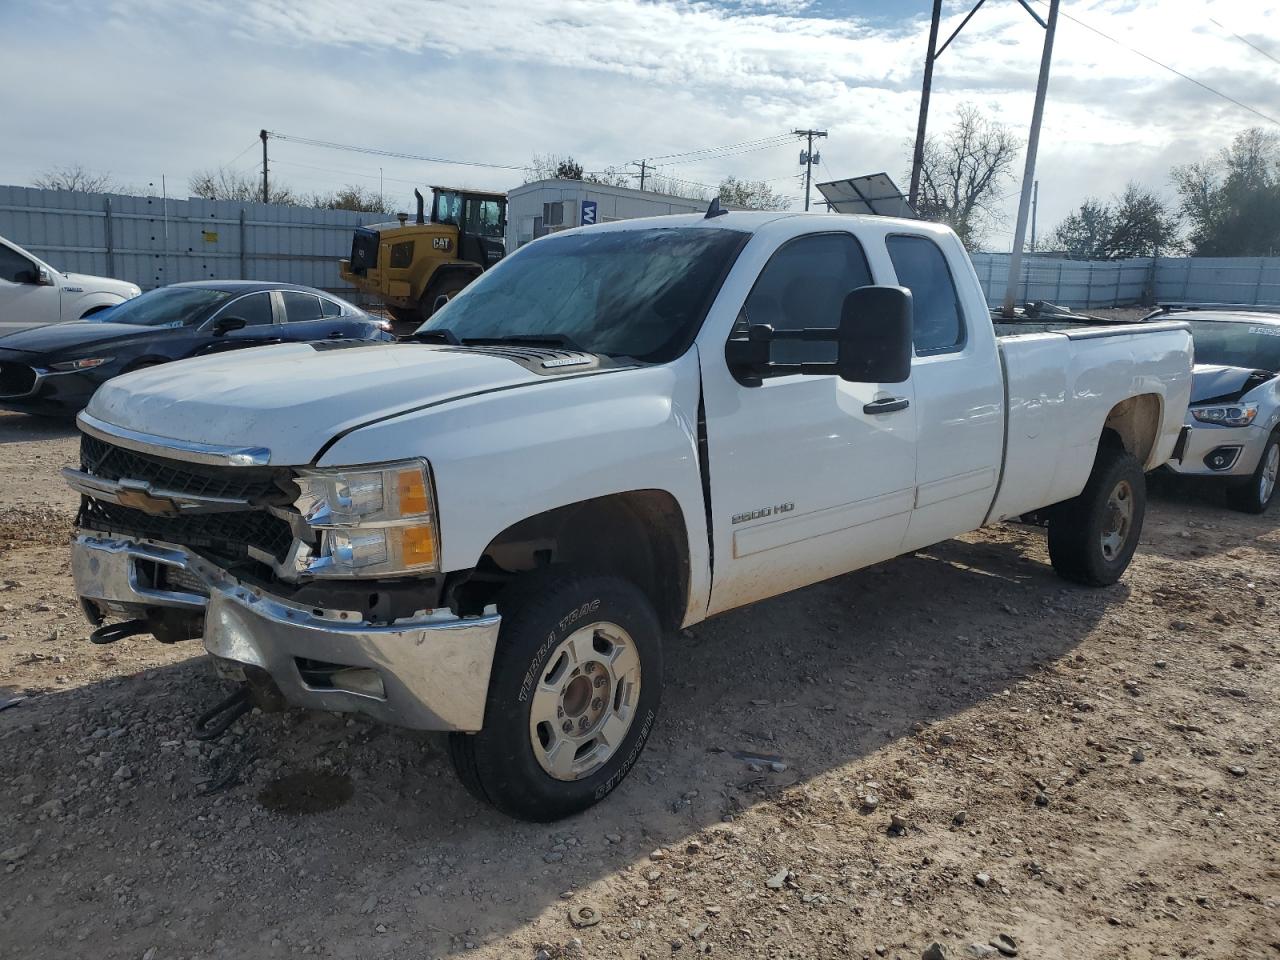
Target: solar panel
<point x="875" y="194"/>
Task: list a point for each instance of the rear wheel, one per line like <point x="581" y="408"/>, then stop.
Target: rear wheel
<point x="1256" y="493"/>
<point x="575" y="688"/>
<point x="1093" y="537"/>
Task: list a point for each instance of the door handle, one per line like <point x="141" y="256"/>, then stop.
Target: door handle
<point x="886" y="405"/>
<point x="336" y="335"/>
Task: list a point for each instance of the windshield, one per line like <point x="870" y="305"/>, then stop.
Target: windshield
<point x="636" y="293"/>
<point x="166" y="307"/>
<point x="1231" y="344"/>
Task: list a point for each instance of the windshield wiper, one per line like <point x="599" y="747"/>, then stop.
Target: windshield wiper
<point x="440" y="335"/>
<point x="546" y="339"/>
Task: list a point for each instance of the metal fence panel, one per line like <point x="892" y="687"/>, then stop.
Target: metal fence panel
<point x="1092" y="284"/>
<point x="156" y="240"/>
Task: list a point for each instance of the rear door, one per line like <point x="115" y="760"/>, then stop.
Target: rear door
<point x="311" y="317"/>
<point x="807" y="480"/>
<point x="959" y="390"/>
<point x="258" y="313"/>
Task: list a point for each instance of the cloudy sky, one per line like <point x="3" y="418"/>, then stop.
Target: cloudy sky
<point x="145" y="88"/>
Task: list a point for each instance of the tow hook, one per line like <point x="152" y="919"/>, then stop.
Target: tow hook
<point x="214" y="723"/>
<point x="118" y="631"/>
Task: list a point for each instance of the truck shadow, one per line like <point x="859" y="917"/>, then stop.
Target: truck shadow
<point x="819" y="679"/>
<point x="25" y="428"/>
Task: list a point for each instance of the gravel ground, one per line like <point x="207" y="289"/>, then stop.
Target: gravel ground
<point x="950" y="747"/>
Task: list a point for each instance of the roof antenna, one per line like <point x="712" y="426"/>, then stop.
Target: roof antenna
<point x="714" y="210"/>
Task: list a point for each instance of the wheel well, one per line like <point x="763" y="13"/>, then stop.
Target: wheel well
<point x="1134" y="424"/>
<point x="98" y="309"/>
<point x="640" y="536"/>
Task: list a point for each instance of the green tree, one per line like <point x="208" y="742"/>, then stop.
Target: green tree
<point x="1232" y="200"/>
<point x="1083" y="234"/>
<point x="1137" y="223"/>
<point x="351" y="197"/>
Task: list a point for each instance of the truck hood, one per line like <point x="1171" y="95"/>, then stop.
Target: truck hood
<point x="1224" y="384"/>
<point x="292" y="399"/>
<point x="92" y="284"/>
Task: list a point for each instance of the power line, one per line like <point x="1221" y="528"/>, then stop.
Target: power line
<point x="728" y="146"/>
<point x="373" y="151"/>
<point x="1265" y="53"/>
<point x="1173" y="70"/>
<point x="778" y="142"/>
<point x="252" y="143"/>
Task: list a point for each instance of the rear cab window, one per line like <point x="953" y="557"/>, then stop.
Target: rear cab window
<point x="938" y="320"/>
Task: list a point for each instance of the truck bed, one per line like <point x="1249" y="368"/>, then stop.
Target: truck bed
<point x="1060" y="385"/>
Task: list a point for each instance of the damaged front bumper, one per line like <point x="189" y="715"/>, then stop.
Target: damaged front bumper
<point x="426" y="672"/>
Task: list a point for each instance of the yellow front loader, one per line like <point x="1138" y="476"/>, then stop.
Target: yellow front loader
<point x="415" y="267"/>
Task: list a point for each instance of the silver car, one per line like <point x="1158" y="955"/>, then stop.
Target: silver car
<point x="1233" y="424"/>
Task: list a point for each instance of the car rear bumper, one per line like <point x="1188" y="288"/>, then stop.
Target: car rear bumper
<point x="427" y="672"/>
<point x="1212" y="451"/>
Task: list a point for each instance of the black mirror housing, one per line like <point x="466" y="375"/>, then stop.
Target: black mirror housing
<point x="224" y="325"/>
<point x="874" y="341"/>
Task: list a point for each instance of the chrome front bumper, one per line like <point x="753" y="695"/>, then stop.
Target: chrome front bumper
<point x="427" y="672"/>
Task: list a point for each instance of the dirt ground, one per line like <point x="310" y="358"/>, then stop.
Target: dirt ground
<point x="1091" y="773"/>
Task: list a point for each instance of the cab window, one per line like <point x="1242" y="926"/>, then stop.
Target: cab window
<point x="254" y="309"/>
<point x="804" y="285"/>
<point x="484" y="217"/>
<point x="14" y="267"/>
<point x="938" y="322"/>
<point x="448" y="208"/>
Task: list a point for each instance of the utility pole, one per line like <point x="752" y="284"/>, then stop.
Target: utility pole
<point x="643" y="165"/>
<point x="808" y="158"/>
<point x="917" y="160"/>
<point x="266" y="195"/>
<point x="1029" y="173"/>
<point x="1035" y="206"/>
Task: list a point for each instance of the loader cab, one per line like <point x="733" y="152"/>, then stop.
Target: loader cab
<point x="481" y="219"/>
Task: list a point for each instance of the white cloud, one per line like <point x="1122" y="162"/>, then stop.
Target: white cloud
<point x="171" y="85"/>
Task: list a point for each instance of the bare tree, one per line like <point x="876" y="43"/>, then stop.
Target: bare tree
<point x="963" y="171"/>
<point x="687" y="189"/>
<point x="227" y="184"/>
<point x="74" y="178"/>
<point x="752" y="194"/>
<point x="350" y="197"/>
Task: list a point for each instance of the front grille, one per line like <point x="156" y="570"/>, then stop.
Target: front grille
<point x="16" y="379"/>
<point x="227" y="535"/>
<point x="255" y="484"/>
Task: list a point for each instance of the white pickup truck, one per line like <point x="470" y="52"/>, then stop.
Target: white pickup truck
<point x="616" y="432"/>
<point x="33" y="293"/>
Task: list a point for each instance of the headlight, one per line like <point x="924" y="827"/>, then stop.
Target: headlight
<point x="1228" y="415"/>
<point x="87" y="363"/>
<point x="371" y="522"/>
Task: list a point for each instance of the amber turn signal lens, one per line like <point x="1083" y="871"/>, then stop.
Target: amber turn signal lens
<point x="417" y="546"/>
<point x="411" y="490"/>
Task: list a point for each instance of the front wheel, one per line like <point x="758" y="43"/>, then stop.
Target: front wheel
<point x="574" y="691"/>
<point x="1256" y="493"/>
<point x="1093" y="537"/>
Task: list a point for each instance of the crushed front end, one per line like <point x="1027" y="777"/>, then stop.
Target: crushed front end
<point x="317" y="587"/>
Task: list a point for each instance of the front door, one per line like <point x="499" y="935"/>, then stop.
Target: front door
<point x="807" y="480"/>
<point x="24" y="302"/>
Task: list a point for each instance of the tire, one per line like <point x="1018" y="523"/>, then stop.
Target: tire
<point x="449" y="286"/>
<point x="406" y="319"/>
<point x="1257" y="493"/>
<point x="546" y="617"/>
<point x="1093" y="537"/>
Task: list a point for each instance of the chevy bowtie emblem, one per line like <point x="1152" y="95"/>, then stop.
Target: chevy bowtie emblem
<point x="137" y="494"/>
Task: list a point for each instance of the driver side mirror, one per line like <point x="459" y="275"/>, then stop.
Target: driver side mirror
<point x="224" y="325"/>
<point x="37" y="276"/>
<point x="873" y="342"/>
